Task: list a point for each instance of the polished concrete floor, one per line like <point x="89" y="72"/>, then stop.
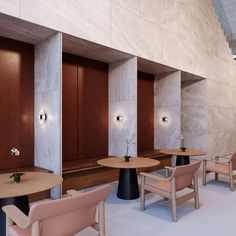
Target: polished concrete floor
<point x="216" y="216"/>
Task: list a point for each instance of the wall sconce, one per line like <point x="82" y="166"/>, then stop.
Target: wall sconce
<point x="119" y="118"/>
<point x="43" y="117"/>
<point x="164" y="119"/>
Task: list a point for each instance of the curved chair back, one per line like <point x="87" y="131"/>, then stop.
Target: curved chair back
<point x="69" y="215"/>
<point x="184" y="175"/>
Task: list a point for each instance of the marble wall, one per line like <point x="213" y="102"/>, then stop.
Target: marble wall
<point x="48" y="99"/>
<point x="184" y="35"/>
<point x="194" y="125"/>
<point x="167" y="103"/>
<point x="123" y="102"/>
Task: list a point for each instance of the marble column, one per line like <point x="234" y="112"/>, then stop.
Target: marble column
<point x="48" y="55"/>
<point x="194" y="121"/>
<point x="123" y="102"/>
<point x="167" y="103"/>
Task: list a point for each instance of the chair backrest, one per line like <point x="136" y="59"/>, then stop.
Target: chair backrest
<point x="233" y="158"/>
<point x="69" y="215"/>
<point x="184" y="175"/>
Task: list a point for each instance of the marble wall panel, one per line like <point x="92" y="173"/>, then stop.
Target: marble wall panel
<point x="131" y="5"/>
<point x="194" y="125"/>
<point x="166" y="134"/>
<point x="48" y="55"/>
<point x="221" y="120"/>
<point x="123" y="102"/>
<point x="142" y="40"/>
<point x="10" y="7"/>
<point x="123" y="80"/>
<point x="88" y="19"/>
<point x="119" y="131"/>
<point x="167" y="90"/>
<point x="167" y="102"/>
<point x="220" y="95"/>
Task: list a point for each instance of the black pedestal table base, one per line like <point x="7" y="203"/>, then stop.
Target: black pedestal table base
<point x="182" y="160"/>
<point x="128" y="184"/>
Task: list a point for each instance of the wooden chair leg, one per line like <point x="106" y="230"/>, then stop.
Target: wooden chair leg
<point x="9" y="222"/>
<point x="204" y="172"/>
<point x="173" y="201"/>
<point x="101" y="219"/>
<point x="196" y="198"/>
<point x="142" y="197"/>
<point x="35" y="229"/>
<point x="231" y="179"/>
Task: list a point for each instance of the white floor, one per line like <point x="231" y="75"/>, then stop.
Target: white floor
<point x="216" y="216"/>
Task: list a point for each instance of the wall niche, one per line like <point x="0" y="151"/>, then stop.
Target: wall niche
<point x="16" y="103"/>
<point x="84" y="108"/>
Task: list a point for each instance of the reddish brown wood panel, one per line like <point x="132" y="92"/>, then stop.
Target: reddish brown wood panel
<point x="145" y="111"/>
<point x="69" y="107"/>
<point x="85" y="108"/>
<point x="16" y="103"/>
<point x="92" y="108"/>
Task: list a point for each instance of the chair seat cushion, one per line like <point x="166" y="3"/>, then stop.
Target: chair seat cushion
<point x="219" y="168"/>
<point x="162" y="188"/>
<point x="17" y="231"/>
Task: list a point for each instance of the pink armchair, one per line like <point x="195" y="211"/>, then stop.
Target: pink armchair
<point x="182" y="177"/>
<point x="219" y="166"/>
<point x="66" y="216"/>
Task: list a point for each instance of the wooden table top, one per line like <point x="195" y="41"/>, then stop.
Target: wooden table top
<point x="31" y="182"/>
<point x="135" y="162"/>
<point x="188" y="152"/>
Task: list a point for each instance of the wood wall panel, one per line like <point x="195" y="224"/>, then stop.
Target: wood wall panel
<point x="145" y="111"/>
<point x="16" y="103"/>
<point x="92" y="108"/>
<point x="85" y="108"/>
<point x="69" y="107"/>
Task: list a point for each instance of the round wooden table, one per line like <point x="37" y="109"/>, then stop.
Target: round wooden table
<point x="182" y="157"/>
<point x="17" y="193"/>
<point x="128" y="182"/>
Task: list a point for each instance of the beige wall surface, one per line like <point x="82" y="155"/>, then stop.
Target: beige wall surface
<point x="184" y="34"/>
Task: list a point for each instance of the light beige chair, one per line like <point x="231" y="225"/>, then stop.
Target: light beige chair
<point x="66" y="216"/>
<point x="182" y="177"/>
<point x="224" y="165"/>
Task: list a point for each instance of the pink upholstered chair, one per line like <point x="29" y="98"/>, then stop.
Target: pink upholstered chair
<point x="182" y="177"/>
<point x="66" y="216"/>
<point x="224" y="165"/>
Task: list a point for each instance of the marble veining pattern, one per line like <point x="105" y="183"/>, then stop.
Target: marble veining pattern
<point x="48" y="99"/>
<point x="123" y="101"/>
<point x="167" y="102"/>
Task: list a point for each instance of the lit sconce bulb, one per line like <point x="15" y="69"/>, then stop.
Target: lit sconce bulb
<point x="119" y="118"/>
<point x="164" y="119"/>
<point x="43" y="117"/>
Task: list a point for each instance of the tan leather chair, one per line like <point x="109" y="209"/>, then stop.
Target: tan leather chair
<point x="66" y="216"/>
<point x="182" y="177"/>
<point x="224" y="165"/>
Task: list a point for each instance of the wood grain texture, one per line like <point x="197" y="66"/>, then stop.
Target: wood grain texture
<point x="17" y="103"/>
<point x="136" y="162"/>
<point x="31" y="182"/>
<point x="145" y="111"/>
<point x="188" y="152"/>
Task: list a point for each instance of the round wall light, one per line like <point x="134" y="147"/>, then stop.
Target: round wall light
<point x="43" y="117"/>
<point x="164" y="119"/>
<point x="119" y="118"/>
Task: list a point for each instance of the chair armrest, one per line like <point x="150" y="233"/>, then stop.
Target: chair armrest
<point x="73" y="192"/>
<point x="169" y="168"/>
<point x="154" y="176"/>
<point x="17" y="216"/>
<point x="224" y="157"/>
<point x="216" y="162"/>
